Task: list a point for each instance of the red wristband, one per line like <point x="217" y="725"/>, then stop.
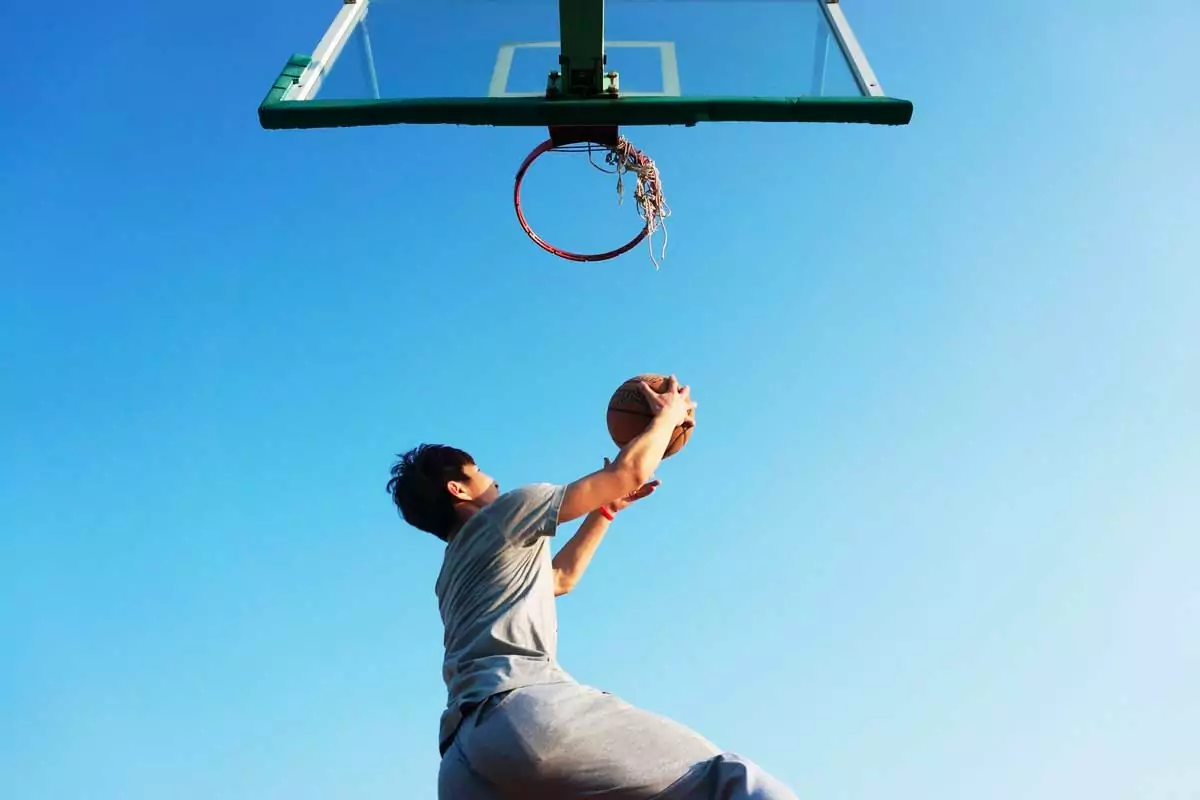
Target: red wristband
<point x="607" y="514"/>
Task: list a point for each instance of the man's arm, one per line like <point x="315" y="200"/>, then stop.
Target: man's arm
<point x="572" y="560"/>
<point x="636" y="462"/>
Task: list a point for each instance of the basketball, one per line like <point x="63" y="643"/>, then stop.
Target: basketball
<point x="629" y="414"/>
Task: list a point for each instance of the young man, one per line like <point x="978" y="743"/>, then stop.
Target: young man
<point x="516" y="724"/>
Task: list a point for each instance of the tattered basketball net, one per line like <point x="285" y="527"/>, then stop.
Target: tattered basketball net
<point x="623" y="157"/>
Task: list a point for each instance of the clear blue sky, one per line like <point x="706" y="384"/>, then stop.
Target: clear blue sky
<point x="936" y="535"/>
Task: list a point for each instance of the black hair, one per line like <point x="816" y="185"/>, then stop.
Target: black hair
<point x="418" y="486"/>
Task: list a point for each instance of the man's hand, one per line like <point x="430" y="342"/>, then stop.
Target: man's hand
<point x="622" y="503"/>
<point x="634" y="467"/>
<point x="674" y="402"/>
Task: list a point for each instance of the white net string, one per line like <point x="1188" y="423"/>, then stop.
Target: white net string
<point x="647" y="192"/>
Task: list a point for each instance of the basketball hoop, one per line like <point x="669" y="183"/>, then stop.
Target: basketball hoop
<point x="648" y="194"/>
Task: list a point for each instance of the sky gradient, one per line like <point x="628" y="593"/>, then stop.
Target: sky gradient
<point x="935" y="536"/>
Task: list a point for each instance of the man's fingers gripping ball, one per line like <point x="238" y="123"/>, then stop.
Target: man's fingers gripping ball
<point x="637" y="401"/>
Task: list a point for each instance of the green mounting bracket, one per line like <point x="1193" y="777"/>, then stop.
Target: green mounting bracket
<point x="611" y="86"/>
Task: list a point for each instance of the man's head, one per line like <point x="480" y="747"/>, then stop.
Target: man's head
<point x="437" y="488"/>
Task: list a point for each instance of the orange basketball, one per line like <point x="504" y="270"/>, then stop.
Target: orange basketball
<point x="629" y="413"/>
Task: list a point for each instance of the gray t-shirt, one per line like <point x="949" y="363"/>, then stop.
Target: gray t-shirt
<point x="496" y="596"/>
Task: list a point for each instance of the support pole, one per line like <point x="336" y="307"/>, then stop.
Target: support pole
<point x="581" y="34"/>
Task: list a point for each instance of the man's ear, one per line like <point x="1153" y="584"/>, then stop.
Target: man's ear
<point x="457" y="490"/>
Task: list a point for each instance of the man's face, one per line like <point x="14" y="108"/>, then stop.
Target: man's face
<point x="478" y="489"/>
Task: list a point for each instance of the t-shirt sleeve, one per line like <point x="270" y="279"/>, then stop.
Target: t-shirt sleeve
<point x="527" y="513"/>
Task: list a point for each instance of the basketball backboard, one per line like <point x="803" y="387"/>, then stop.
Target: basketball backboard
<point x="581" y="63"/>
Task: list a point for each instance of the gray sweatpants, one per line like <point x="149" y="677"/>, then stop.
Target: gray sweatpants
<point x="566" y="741"/>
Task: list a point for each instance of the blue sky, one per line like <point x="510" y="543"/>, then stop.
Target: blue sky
<point x="935" y="535"/>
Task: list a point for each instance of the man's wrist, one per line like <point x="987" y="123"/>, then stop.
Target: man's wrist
<point x="608" y="515"/>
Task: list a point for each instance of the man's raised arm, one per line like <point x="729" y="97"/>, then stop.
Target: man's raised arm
<point x="638" y="459"/>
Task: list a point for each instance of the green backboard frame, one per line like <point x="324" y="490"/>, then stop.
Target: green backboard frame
<point x="581" y="94"/>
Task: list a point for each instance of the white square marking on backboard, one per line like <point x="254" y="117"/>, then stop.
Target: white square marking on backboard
<point x="504" y="59"/>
